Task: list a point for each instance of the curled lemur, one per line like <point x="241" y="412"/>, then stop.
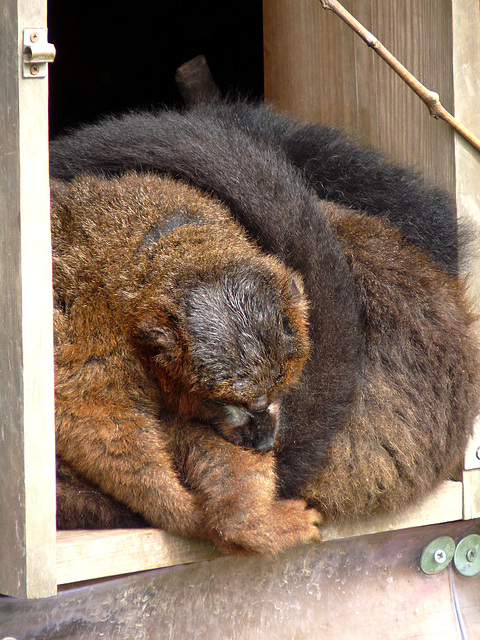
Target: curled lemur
<point x="387" y="397"/>
<point x="175" y="339"/>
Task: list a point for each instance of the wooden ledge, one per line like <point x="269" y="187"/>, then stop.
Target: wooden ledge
<point x="87" y="555"/>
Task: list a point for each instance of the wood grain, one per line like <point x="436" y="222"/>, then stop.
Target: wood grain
<point x="466" y="69"/>
<point x="471" y="494"/>
<point x="319" y="70"/>
<point x="85" y="555"/>
<point x="27" y="459"/>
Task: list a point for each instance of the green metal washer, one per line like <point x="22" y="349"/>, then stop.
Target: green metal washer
<point x="437" y="555"/>
<point x="467" y="555"/>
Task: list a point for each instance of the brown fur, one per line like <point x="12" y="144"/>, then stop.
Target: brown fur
<point x="143" y="430"/>
<point x="408" y="425"/>
<point x="81" y="503"/>
<point x="167" y="393"/>
<point x="134" y="260"/>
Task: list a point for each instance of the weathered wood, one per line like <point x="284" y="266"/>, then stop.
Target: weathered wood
<point x="471" y="494"/>
<point x="319" y="70"/>
<point x="27" y="478"/>
<point x="472" y="455"/>
<point x="195" y="82"/>
<point x="466" y="75"/>
<point x="86" y="555"/>
<point x="430" y="98"/>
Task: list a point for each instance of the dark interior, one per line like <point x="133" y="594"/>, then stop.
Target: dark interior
<point x="113" y="57"/>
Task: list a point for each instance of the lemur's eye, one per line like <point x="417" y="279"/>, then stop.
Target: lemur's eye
<point x="236" y="415"/>
<point x="259" y="404"/>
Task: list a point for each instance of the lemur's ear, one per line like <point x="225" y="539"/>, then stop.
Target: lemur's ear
<point x="155" y="337"/>
<point x="158" y="335"/>
<point x="295" y="290"/>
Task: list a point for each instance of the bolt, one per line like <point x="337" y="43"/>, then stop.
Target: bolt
<point x="471" y="555"/>
<point x="439" y="556"/>
<point x="34" y="36"/>
<point x="34" y="69"/>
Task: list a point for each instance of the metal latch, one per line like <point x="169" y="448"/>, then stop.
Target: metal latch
<point x="37" y="53"/>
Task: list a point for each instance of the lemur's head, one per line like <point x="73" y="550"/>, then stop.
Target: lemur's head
<point x="249" y="342"/>
<point x="219" y="324"/>
<point x="238" y="341"/>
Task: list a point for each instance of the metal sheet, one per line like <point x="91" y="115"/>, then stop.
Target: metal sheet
<point x="369" y="587"/>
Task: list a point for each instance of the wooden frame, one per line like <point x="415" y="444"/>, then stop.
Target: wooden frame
<point x="27" y="453"/>
<point x="466" y="83"/>
<point x="33" y="558"/>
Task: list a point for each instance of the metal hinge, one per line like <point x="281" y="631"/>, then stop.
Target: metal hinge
<point x="37" y="53"/>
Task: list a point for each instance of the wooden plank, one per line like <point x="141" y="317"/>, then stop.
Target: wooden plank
<point x="27" y="499"/>
<point x="472" y="455"/>
<point x="466" y="69"/>
<point x="471" y="494"/>
<point x="319" y="70"/>
<point x="85" y="555"/>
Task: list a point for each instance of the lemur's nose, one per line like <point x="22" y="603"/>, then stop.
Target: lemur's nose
<point x="265" y="444"/>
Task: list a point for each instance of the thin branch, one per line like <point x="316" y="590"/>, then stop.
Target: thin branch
<point x="430" y="98"/>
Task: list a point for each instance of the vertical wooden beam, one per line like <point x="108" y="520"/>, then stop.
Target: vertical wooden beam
<point x="466" y="74"/>
<point x="319" y="70"/>
<point x="27" y="476"/>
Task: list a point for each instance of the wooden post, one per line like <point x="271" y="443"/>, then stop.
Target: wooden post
<point x="27" y="463"/>
<point x="466" y="76"/>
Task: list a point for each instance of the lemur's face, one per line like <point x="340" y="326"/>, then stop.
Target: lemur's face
<point x="248" y="344"/>
<point x="253" y="425"/>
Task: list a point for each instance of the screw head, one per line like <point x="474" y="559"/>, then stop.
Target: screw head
<point x="477" y="453"/>
<point x="34" y="69"/>
<point x="439" y="556"/>
<point x="34" y="36"/>
<point x="471" y="555"/>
